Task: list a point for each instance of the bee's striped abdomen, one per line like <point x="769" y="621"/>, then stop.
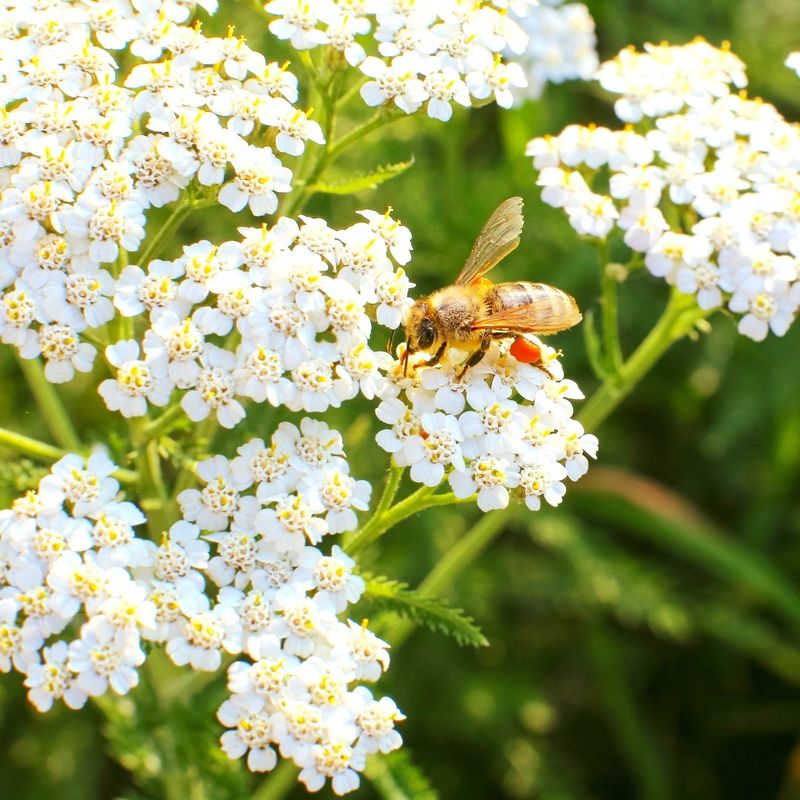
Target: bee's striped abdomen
<point x="549" y="309"/>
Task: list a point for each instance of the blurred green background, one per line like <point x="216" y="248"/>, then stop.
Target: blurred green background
<point x="644" y="637"/>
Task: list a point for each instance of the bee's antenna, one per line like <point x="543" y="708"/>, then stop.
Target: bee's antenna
<point x="390" y="342"/>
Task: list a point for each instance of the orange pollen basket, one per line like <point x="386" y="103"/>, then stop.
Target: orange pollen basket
<point x="525" y="351"/>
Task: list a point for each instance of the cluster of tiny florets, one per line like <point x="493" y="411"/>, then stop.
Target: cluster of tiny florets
<point x="503" y="429"/>
<point x="267" y="510"/>
<point x="429" y="54"/>
<point x="708" y="191"/>
<point x="282" y="316"/>
<point x="562" y="45"/>
<point x="80" y="593"/>
<point x="85" y="151"/>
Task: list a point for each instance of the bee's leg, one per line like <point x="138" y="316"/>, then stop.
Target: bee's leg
<point x="477" y="356"/>
<point x="437" y="356"/>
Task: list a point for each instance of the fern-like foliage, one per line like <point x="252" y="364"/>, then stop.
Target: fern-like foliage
<point x="367" y="180"/>
<point x="397" y="777"/>
<point x="433" y="612"/>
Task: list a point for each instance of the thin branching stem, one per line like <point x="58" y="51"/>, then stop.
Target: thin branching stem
<point x="53" y="413"/>
<point x="680" y="317"/>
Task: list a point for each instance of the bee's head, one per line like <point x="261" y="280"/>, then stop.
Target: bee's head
<point x="421" y="329"/>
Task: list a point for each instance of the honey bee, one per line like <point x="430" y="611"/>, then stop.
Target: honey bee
<point x="474" y="311"/>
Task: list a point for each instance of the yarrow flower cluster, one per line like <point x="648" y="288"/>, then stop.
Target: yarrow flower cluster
<point x="708" y="192"/>
<point x="503" y="429"/>
<point x="428" y="54"/>
<point x="297" y="299"/>
<point x="562" y="45"/>
<point x="282" y="315"/>
<point x="239" y="574"/>
<point x="85" y="152"/>
<point x="67" y="551"/>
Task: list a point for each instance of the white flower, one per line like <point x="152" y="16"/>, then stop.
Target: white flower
<point x="442" y="87"/>
<point x="208" y="268"/>
<point x="115" y="539"/>
<point x="63" y="350"/>
<point x="490" y="477"/>
<point x="358" y="643"/>
<point x="577" y="443"/>
<point x="182" y="555"/>
<point x="161" y="168"/>
<point x="643" y="227"/>
<point x="674" y="251"/>
<point x="54" y="680"/>
<point x="138" y="291"/>
<point x="436" y="448"/>
<point x="375" y="720"/>
<point x="493" y="77"/>
<point x="295" y="128"/>
<point x="592" y="214"/>
<point x="316" y="387"/>
<point x="203" y="636"/>
<point x="137" y="382"/>
<point x="258" y="176"/>
<point x="18" y="644"/>
<point x="259" y="374"/>
<point x="267" y="466"/>
<point x="396" y="236"/>
<point x="764" y="311"/>
<point x="401" y="439"/>
<point x="105" y="656"/>
<point x="299" y="19"/>
<point x="302" y="621"/>
<point x="251" y="734"/>
<point x="313" y="446"/>
<point x="237" y="550"/>
<point x="292" y="522"/>
<point x="100" y="228"/>
<point x="332" y="576"/>
<point x="336" y="760"/>
<point x="219" y="500"/>
<point x="180" y="342"/>
<point x="397" y="81"/>
<point x="391" y="289"/>
<point x="79" y="300"/>
<point x="87" y="486"/>
<point x="214" y="389"/>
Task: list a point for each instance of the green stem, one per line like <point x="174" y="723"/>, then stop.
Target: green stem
<point x="381" y="117"/>
<point x="626" y="724"/>
<point x="47" y="452"/>
<point x="52" y="410"/>
<point x="163" y="423"/>
<point x="153" y="248"/>
<point x="452" y="564"/>
<point x="464" y="552"/>
<point x="331" y="152"/>
<point x="30" y="447"/>
<point x="278" y="783"/>
<point x="679" y="318"/>
<point x="611" y="344"/>
<point x="186" y="476"/>
<point x="390" y="488"/>
<point x="418" y="501"/>
<point x="154" y="495"/>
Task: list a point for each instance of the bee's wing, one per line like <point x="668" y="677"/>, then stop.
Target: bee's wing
<point x="538" y="316"/>
<point x="500" y="235"/>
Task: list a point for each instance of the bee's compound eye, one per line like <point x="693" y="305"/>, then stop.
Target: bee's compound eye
<point x="427" y="334"/>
